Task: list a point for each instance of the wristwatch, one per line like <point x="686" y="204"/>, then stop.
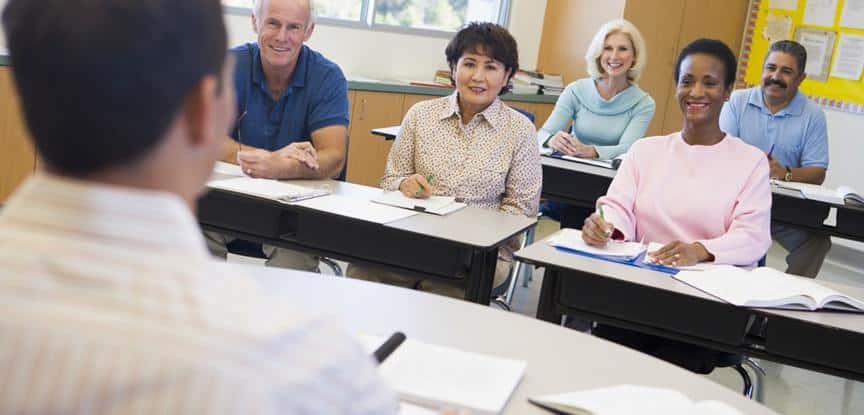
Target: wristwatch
<point x="788" y="176"/>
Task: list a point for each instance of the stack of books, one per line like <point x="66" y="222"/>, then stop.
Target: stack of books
<point x="551" y="84"/>
<point x="440" y="80"/>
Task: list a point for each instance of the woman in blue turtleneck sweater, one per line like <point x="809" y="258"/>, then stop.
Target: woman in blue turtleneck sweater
<point x="609" y="112"/>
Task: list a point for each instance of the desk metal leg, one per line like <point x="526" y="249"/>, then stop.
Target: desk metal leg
<point x="546" y="307"/>
<point x="481" y="276"/>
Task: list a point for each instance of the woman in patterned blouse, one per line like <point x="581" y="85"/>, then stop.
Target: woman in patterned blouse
<point x="469" y="145"/>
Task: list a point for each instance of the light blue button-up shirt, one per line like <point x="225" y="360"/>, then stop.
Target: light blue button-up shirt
<point x="798" y="133"/>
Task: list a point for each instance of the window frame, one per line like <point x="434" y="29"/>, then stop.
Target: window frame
<point x="367" y="20"/>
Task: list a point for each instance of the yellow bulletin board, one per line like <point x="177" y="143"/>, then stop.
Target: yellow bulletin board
<point x="833" y="33"/>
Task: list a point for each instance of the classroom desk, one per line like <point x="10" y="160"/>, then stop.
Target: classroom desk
<point x="423" y="244"/>
<point x="580" y="184"/>
<point x="559" y="359"/>
<point x="655" y="303"/>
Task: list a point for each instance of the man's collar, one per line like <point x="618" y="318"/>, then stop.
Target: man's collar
<point x="493" y="114"/>
<point x="298" y="78"/>
<point x="795" y="106"/>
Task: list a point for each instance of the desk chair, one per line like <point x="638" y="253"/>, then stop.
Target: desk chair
<point x="518" y="270"/>
<point x="525" y="112"/>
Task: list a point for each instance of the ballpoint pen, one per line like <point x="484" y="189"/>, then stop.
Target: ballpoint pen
<point x="606" y="232"/>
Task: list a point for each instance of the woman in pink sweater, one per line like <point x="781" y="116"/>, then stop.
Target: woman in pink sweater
<point x="704" y="194"/>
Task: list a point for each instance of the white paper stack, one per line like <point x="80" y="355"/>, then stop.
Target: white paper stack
<point x="571" y="239"/>
<point x="268" y="189"/>
<point x="441" y="377"/>
<point x="629" y="400"/>
<point x="437" y="205"/>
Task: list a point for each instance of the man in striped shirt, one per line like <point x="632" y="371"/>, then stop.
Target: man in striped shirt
<point x="111" y="303"/>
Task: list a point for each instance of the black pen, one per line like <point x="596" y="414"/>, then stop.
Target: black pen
<point x="388" y="347"/>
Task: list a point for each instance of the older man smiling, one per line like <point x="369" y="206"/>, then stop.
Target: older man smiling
<point x="292" y="106"/>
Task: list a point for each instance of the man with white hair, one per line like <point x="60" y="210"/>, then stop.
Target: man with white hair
<point x="292" y="106"/>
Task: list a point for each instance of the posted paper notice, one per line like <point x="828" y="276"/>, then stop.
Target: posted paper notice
<point x="853" y="14"/>
<point x="783" y="4"/>
<point x="849" y="59"/>
<point x="820" y="12"/>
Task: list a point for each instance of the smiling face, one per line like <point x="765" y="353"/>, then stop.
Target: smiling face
<point x="479" y="80"/>
<point x="701" y="89"/>
<point x="618" y="55"/>
<point x="780" y="78"/>
<point x="282" y="28"/>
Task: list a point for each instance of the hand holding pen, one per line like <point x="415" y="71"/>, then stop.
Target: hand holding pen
<point x="596" y="231"/>
<point x="418" y="186"/>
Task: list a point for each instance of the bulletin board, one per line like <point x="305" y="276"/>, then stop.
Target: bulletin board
<point x="833" y="33"/>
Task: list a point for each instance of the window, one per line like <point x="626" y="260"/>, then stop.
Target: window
<point x="435" y="17"/>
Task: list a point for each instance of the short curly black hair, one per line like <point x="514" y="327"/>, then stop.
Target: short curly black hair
<point x="487" y="39"/>
<point x="713" y="48"/>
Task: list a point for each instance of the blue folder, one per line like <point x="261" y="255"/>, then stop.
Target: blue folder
<point x="638" y="262"/>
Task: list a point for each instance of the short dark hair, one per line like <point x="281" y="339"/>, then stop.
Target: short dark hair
<point x="488" y="39"/>
<point x="793" y="48"/>
<point x="100" y="81"/>
<point x="715" y="48"/>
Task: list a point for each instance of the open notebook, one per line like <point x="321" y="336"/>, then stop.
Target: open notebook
<point x="438" y="205"/>
<point x="837" y="196"/>
<point x="630" y="400"/>
<point x="441" y="377"/>
<point x="268" y="189"/>
<point x="768" y="288"/>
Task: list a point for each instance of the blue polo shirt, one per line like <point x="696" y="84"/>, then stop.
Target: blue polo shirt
<point x="798" y="132"/>
<point x="316" y="97"/>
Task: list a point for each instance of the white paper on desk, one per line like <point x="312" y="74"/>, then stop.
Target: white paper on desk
<point x="268" y="189"/>
<point x="629" y="400"/>
<point x="853" y="14"/>
<point x="357" y="208"/>
<point x="436" y="205"/>
<point x="438" y="376"/>
<point x="229" y="169"/>
<point x="572" y="239"/>
<point x="849" y="58"/>
<point x="820" y="13"/>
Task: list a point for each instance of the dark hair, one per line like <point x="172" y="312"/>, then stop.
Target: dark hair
<point x="714" y="48"/>
<point x="101" y="80"/>
<point x="793" y="48"/>
<point x="488" y="39"/>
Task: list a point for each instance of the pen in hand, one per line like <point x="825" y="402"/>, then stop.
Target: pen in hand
<point x="606" y="232"/>
<point x="770" y="151"/>
<point x="420" y="187"/>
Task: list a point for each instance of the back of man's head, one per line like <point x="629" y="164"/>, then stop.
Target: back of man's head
<point x="101" y="81"/>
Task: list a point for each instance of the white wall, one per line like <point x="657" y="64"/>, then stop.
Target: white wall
<point x="846" y="152"/>
<point x="385" y="55"/>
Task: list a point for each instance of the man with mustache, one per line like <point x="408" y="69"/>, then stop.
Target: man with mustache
<point x="791" y="130"/>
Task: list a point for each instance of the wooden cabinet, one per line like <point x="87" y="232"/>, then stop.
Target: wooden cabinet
<point x="367" y="153"/>
<point x="666" y="25"/>
<point x="17" y="157"/>
<point x="715" y="19"/>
